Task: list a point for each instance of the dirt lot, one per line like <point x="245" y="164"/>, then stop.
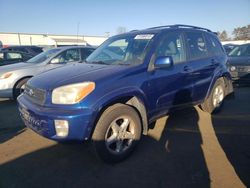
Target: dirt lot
<point x="187" y="149"/>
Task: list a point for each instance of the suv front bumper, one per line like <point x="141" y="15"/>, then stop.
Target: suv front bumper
<point x="42" y="120"/>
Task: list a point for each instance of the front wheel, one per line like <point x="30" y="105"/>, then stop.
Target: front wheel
<point x="117" y="133"/>
<point x="215" y="100"/>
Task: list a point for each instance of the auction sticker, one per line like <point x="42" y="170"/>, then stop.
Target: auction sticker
<point x="144" y="37"/>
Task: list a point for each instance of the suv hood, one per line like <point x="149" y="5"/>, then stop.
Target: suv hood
<point x="74" y="73"/>
<point x="239" y="61"/>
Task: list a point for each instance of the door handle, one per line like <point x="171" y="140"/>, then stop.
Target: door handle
<point x="214" y="62"/>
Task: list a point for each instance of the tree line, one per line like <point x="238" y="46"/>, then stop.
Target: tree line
<point x="239" y="33"/>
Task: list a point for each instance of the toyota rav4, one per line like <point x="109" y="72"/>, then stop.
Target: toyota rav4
<point x="127" y="83"/>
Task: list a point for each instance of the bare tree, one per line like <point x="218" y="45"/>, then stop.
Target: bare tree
<point x="242" y="33"/>
<point x="223" y="35"/>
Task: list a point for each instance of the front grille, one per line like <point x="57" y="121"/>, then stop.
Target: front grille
<point x="36" y="95"/>
<point x="243" y="68"/>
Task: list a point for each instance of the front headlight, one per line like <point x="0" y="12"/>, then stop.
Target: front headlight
<point x="6" y="75"/>
<point x="73" y="93"/>
<point x="232" y="68"/>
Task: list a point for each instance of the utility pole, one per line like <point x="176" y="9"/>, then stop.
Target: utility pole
<point x="19" y="39"/>
<point x="77" y="31"/>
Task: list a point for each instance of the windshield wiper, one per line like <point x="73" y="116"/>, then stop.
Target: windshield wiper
<point x="98" y="62"/>
<point x="126" y="64"/>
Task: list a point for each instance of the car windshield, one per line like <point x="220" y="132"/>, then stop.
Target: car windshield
<point x="123" y="50"/>
<point x="239" y="51"/>
<point x="43" y="56"/>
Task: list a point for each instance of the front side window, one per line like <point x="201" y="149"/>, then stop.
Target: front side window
<point x="196" y="44"/>
<point x="171" y="45"/>
<point x="240" y="51"/>
<point x="13" y="55"/>
<point x="126" y="50"/>
<point x="71" y="55"/>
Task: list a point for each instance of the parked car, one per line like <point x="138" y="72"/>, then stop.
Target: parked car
<point x="229" y="47"/>
<point x="11" y="57"/>
<point x="239" y="64"/>
<point x="15" y="54"/>
<point x="114" y="96"/>
<point x="14" y="77"/>
<point x="31" y="50"/>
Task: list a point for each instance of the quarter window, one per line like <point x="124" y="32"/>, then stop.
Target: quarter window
<point x="196" y="44"/>
<point x="214" y="45"/>
<point x="171" y="45"/>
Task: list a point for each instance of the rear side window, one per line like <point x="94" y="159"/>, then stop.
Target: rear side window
<point x="86" y="52"/>
<point x="196" y="44"/>
<point x="171" y="45"/>
<point x="214" y="46"/>
<point x="13" y="55"/>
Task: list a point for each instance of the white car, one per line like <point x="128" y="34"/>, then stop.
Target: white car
<point x="14" y="77"/>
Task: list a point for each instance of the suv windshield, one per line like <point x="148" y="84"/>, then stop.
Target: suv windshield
<point x="43" y="56"/>
<point x="243" y="50"/>
<point x="123" y="50"/>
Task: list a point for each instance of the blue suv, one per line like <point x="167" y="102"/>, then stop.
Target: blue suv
<point x="127" y="83"/>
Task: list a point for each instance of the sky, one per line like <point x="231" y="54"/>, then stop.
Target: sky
<point x="95" y="17"/>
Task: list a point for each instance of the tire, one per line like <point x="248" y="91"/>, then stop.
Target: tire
<point x="215" y="100"/>
<point x="19" y="87"/>
<point x="117" y="132"/>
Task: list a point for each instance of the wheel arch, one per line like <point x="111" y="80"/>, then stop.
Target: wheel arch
<point x="133" y="100"/>
<point x="19" y="80"/>
<point x="226" y="78"/>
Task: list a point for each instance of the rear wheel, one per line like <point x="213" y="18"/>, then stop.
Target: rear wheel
<point x="215" y="100"/>
<point x="117" y="133"/>
<point x="19" y="87"/>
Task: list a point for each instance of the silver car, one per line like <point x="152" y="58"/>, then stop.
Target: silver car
<point x="14" y="77"/>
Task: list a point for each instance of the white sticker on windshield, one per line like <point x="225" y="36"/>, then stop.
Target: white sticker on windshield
<point x="144" y="37"/>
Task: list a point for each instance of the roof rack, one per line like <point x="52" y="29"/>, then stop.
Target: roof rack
<point x="134" y="30"/>
<point x="181" y="26"/>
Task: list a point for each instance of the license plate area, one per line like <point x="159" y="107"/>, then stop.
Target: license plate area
<point x="33" y="122"/>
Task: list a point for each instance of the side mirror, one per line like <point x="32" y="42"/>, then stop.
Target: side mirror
<point x="55" y="61"/>
<point x="164" y="62"/>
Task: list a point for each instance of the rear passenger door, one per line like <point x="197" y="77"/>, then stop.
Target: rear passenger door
<point x="200" y="65"/>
